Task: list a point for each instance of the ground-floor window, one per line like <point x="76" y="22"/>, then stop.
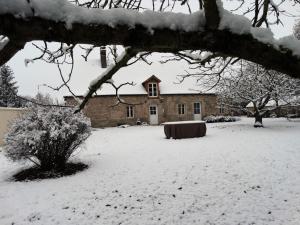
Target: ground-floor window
<point x="221" y="109"/>
<point x="181" y="109"/>
<point x="129" y="111"/>
<point x="152" y="110"/>
<point x="197" y="108"/>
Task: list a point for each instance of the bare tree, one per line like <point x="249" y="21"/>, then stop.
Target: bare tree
<point x="257" y="86"/>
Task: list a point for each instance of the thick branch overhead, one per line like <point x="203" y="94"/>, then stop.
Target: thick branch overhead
<point x="212" y="15"/>
<point x="121" y="62"/>
<point x="157" y="40"/>
<point x="213" y="30"/>
<point x="9" y="50"/>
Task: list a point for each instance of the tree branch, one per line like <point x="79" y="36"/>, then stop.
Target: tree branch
<point x="9" y="50"/>
<point x="95" y="85"/>
<point x="212" y="15"/>
<point x="151" y="39"/>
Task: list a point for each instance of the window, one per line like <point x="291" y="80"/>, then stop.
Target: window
<point x="152" y="110"/>
<point x="152" y="89"/>
<point x="221" y="109"/>
<point x="129" y="111"/>
<point x="181" y="109"/>
<point x="197" y="108"/>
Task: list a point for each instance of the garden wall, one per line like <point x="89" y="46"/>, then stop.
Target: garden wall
<point x="7" y="115"/>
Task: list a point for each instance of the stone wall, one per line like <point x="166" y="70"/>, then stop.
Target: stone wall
<point x="6" y="116"/>
<point x="104" y="113"/>
<point x="208" y="106"/>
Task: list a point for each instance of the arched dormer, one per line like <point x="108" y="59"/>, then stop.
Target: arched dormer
<point x="152" y="86"/>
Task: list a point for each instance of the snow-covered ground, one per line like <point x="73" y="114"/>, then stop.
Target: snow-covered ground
<point x="235" y="175"/>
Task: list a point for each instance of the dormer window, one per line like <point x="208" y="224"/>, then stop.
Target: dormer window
<point x="152" y="89"/>
<point x="151" y="85"/>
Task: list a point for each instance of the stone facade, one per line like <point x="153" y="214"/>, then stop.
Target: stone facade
<point x="7" y="115"/>
<point x="103" y="113"/>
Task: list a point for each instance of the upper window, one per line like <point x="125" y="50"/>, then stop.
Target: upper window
<point x="197" y="108"/>
<point x="152" y="89"/>
<point x="129" y="111"/>
<point x="181" y="109"/>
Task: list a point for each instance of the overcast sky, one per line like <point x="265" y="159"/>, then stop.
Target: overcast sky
<point x="31" y="78"/>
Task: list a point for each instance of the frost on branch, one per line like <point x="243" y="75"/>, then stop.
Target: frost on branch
<point x="3" y="41"/>
<point x="47" y="136"/>
<point x="70" y="14"/>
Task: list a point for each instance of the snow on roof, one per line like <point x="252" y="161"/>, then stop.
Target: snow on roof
<point x="84" y="72"/>
<point x="168" y="85"/>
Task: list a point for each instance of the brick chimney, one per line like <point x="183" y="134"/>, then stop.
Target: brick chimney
<point x="103" y="57"/>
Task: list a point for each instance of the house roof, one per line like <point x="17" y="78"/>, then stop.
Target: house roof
<point x="139" y="73"/>
<point x="168" y="85"/>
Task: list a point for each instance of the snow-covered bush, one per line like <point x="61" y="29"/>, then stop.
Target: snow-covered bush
<point x="47" y="136"/>
<point x="218" y="119"/>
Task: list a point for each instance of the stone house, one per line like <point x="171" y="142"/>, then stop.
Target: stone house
<point x="151" y="105"/>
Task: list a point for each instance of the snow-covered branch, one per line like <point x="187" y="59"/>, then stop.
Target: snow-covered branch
<point x="8" y="48"/>
<point x="3" y="41"/>
<point x="118" y="97"/>
<point x="61" y="21"/>
<point x="107" y="75"/>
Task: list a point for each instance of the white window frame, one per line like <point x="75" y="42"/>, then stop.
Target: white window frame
<point x="197" y="108"/>
<point x="150" y="111"/>
<point x="221" y="109"/>
<point x="181" y="109"/>
<point x="129" y="111"/>
<point x="151" y="87"/>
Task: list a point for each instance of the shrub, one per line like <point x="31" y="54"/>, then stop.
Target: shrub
<point x="47" y="136"/>
<point x="218" y="119"/>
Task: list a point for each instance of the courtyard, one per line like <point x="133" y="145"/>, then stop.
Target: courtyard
<point x="236" y="174"/>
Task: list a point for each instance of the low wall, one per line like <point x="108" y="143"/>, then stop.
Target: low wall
<point x="6" y="116"/>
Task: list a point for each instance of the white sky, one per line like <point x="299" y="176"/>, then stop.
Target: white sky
<point x="31" y="77"/>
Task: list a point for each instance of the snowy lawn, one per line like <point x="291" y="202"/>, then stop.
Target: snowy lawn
<point x="235" y="175"/>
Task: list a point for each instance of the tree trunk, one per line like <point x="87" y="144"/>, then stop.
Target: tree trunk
<point x="60" y="164"/>
<point x="258" y="120"/>
<point x="46" y="165"/>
